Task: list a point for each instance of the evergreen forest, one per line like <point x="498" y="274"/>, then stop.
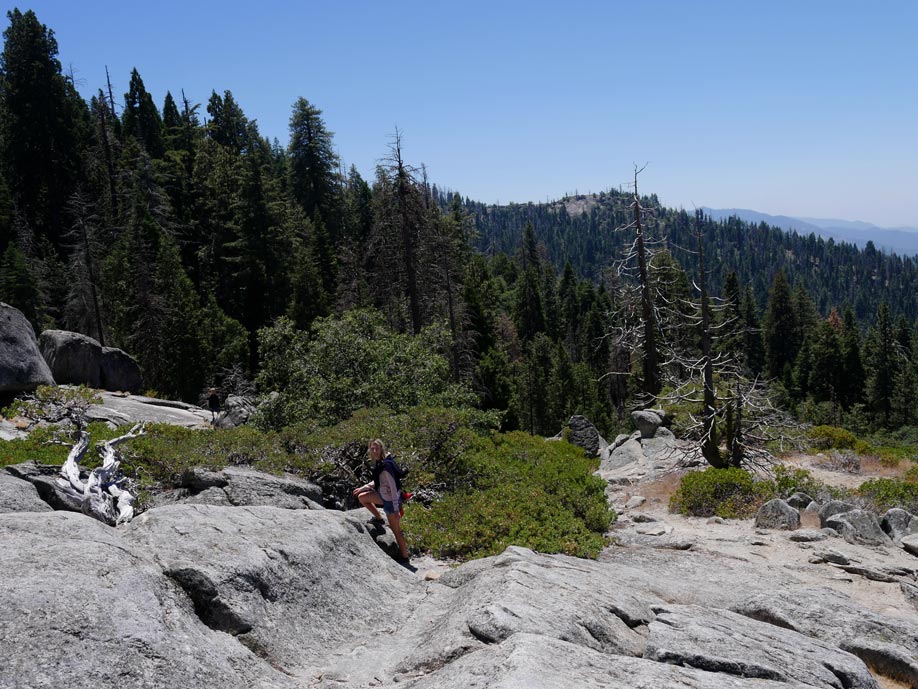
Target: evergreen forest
<point x="178" y="232"/>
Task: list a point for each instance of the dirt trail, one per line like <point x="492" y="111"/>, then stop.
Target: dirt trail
<point x="650" y="524"/>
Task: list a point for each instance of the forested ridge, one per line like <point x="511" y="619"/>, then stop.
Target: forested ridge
<point x="581" y="230"/>
<point x="184" y="236"/>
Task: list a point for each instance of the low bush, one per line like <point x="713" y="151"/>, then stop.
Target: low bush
<point x="524" y="491"/>
<point x="790" y="480"/>
<point x="885" y="493"/>
<point x="729" y="493"/>
<point x="832" y="437"/>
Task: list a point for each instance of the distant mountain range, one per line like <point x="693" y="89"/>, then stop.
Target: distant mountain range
<point x="898" y="240"/>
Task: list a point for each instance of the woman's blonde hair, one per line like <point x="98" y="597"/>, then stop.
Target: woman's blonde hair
<point x="382" y="447"/>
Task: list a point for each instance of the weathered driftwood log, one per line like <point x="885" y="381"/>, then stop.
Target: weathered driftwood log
<point x="102" y="494"/>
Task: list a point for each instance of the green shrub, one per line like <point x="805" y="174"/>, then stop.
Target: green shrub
<point x="165" y="452"/>
<point x="832" y="437"/>
<point x="525" y="491"/>
<point x="344" y="364"/>
<point x="729" y="493"/>
<point x="431" y="442"/>
<point x="886" y="493"/>
<point x="790" y="480"/>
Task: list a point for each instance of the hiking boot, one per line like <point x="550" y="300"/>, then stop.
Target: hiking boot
<point x="376" y="521"/>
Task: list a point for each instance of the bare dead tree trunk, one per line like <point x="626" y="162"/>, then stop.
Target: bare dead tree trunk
<point x="710" y="443"/>
<point x="97" y="312"/>
<point x="107" y="152"/>
<point x="408" y="233"/>
<point x="652" y="383"/>
<point x="101" y="494"/>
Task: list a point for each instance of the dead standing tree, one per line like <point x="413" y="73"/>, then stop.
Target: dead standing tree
<point x="743" y="419"/>
<point x="637" y="324"/>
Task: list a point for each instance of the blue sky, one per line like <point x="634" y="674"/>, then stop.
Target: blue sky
<point x="797" y="108"/>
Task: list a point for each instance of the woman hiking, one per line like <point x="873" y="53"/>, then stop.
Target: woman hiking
<point x="383" y="492"/>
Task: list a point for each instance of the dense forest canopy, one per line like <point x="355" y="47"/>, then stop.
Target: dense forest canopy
<point x="181" y="234"/>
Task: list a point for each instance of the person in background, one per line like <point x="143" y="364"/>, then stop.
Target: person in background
<point x="213" y="403"/>
<point x="383" y="492"/>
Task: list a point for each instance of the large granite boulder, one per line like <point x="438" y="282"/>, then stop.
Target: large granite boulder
<point x="888" y="643"/>
<point x="78" y="359"/>
<point x="859" y="526"/>
<point x="897" y="523"/>
<point x="724" y="641"/>
<point x="73" y="358"/>
<point x="18" y="495"/>
<point x="799" y="500"/>
<point x="292" y="586"/>
<point x="777" y="514"/>
<point x="519" y="591"/>
<point x="532" y="661"/>
<point x="628" y="452"/>
<point x="243" y="487"/>
<point x="831" y="508"/>
<point x="119" y="371"/>
<point x="89" y="610"/>
<point x="22" y="368"/>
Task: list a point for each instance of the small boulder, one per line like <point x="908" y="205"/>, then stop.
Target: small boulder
<point x="859" y="527"/>
<point x="799" y="500"/>
<point x="809" y="517"/>
<point x="811" y="535"/>
<point x="22" y="367"/>
<point x="629" y="452"/>
<point x="585" y="435"/>
<point x="643" y="518"/>
<point x="18" y="495"/>
<point x="119" y="371"/>
<point x="910" y="591"/>
<point x="619" y="441"/>
<point x="635" y="501"/>
<point x="910" y="543"/>
<point x="236" y="412"/>
<point x="897" y="523"/>
<point x="647" y="422"/>
<point x="832" y="556"/>
<point x="777" y="514"/>
<point x="832" y="508"/>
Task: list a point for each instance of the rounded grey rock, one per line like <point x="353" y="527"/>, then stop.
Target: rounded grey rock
<point x="22" y="367"/>
<point x="777" y="514"/>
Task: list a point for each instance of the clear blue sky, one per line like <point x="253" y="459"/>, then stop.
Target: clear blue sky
<point x="798" y="108"/>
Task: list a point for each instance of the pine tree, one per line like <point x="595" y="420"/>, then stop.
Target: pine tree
<point x="141" y="119"/>
<point x="228" y="125"/>
<point x="853" y="376"/>
<point x="18" y="286"/>
<point x="313" y="163"/>
<point x="527" y="311"/>
<point x="42" y="125"/>
<point x="780" y="328"/>
<point x="880" y="356"/>
<point x="826" y="361"/>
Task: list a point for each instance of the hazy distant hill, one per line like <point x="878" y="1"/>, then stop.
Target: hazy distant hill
<point x="899" y="240"/>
